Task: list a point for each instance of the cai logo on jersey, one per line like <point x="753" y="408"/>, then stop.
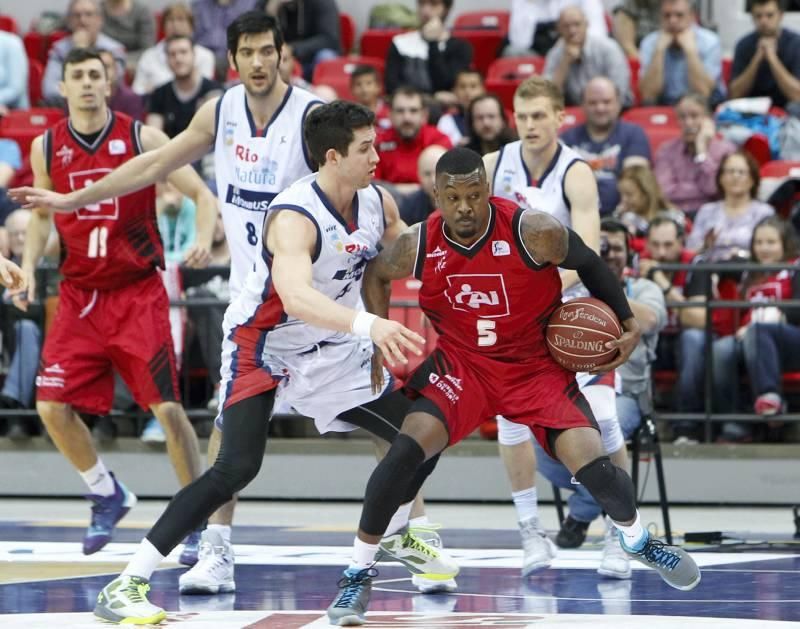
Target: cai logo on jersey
<point x="253" y="166"/>
<point x="105" y="210"/>
<point x="481" y="295"/>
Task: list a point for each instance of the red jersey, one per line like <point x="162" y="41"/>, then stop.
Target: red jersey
<point x="399" y="157"/>
<point x="775" y="287"/>
<point x="115" y="242"/>
<point x="490" y="298"/>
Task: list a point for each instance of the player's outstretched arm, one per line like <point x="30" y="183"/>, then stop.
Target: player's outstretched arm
<point x="293" y="238"/>
<point x="580" y="188"/>
<point x="141" y="171"/>
<point x="38" y="231"/>
<point x="548" y="241"/>
<point x="490" y="164"/>
<point x="188" y="182"/>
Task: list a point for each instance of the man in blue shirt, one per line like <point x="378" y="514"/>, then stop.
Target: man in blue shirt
<point x="607" y="143"/>
<point x="681" y="57"/>
<point x="766" y="62"/>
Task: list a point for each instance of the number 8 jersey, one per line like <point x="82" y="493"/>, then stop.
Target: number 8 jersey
<point x="113" y="243"/>
<point x="252" y="166"/>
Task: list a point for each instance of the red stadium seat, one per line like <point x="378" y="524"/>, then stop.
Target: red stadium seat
<point x="758" y="147"/>
<point x="336" y="72"/>
<point x="483" y="20"/>
<point x="375" y="42"/>
<point x="347" y="32"/>
<point x="573" y="116"/>
<point x="38" y="45"/>
<point x="485" y="46"/>
<point x="35" y="74"/>
<point x="24" y="125"/>
<point x="506" y="73"/>
<point x="659" y="135"/>
<point x="9" y="24"/>
<point x="727" y="64"/>
<point x="649" y="117"/>
<point x="635" y="66"/>
<point x="781" y="169"/>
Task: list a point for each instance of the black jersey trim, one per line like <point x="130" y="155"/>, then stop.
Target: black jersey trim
<point x="47" y="149"/>
<point x="475" y="247"/>
<point x="422" y="244"/>
<point x="99" y="140"/>
<point x="309" y="216"/>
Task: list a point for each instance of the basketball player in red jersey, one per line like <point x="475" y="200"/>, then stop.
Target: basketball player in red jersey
<point x="489" y="284"/>
<point x="113" y="310"/>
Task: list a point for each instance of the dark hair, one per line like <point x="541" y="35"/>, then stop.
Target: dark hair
<point x="460" y="161"/>
<point x="363" y="69"/>
<point x="448" y="4"/>
<point x="464" y="71"/>
<point x="331" y="126"/>
<point x="752" y="167"/>
<point x="662" y="218"/>
<point x="406" y="90"/>
<point x="615" y="226"/>
<point x="177" y="10"/>
<point x="786" y="232"/>
<point x="173" y="38"/>
<point x="482" y="97"/>
<point x="253" y="23"/>
<point x="781" y="4"/>
<point x="696" y="98"/>
<point x="79" y="55"/>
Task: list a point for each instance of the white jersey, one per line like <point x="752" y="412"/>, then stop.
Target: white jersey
<point x="513" y="181"/>
<point x="339" y="261"/>
<point x="252" y="168"/>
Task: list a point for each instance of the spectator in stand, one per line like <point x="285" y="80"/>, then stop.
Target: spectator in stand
<point x="25" y="337"/>
<point x="766" y="62"/>
<point x="532" y="28"/>
<point x="580" y="56"/>
<point x="310" y="27"/>
<point x="365" y="86"/>
<point x="468" y="85"/>
<point x="767" y="338"/>
<point x="686" y="167"/>
<point x="85" y="23"/>
<point x="130" y="22"/>
<point x="428" y="58"/>
<point x="723" y="229"/>
<point x="174" y="104"/>
<point x="680" y="57"/>
<point x="633" y="21"/>
<point x="641" y="200"/>
<point x="152" y="69"/>
<point x="607" y="143"/>
<point x="399" y="148"/>
<point x="417" y="206"/>
<point x="13" y="73"/>
<point x="488" y="125"/>
<point x="122" y="98"/>
<point x="287" y="70"/>
<point x="10" y="163"/>
<point x="211" y="19"/>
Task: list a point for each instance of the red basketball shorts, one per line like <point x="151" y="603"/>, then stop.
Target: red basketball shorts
<point x="96" y="332"/>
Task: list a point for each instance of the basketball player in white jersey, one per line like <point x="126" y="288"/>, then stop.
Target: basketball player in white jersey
<point x="255" y="130"/>
<point x="538" y="172"/>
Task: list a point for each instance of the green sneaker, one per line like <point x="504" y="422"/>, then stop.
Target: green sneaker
<point x="418" y="556"/>
<point x="428" y="533"/>
<point x="124" y="601"/>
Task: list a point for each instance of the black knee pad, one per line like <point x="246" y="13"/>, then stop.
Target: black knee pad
<point x="233" y="476"/>
<point x="388" y="486"/>
<point x="422" y="474"/>
<point x="611" y="487"/>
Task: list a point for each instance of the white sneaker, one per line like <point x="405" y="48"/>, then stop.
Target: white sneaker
<point x="213" y="572"/>
<point x="428" y="534"/>
<point x="615" y="562"/>
<point x="537" y="550"/>
<point x="419" y="557"/>
<point x="124" y="601"/>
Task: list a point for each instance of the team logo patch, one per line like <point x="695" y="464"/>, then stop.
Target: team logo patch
<point x="108" y="209"/>
<point x="66" y="154"/>
<point x="500" y="248"/>
<point x="481" y="295"/>
<point x="117" y="147"/>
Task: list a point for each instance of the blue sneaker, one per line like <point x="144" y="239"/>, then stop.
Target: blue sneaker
<point x="191" y="548"/>
<point x="106" y="512"/>
<point x="153" y="432"/>
<point x="673" y="563"/>
<point x="350" y="607"/>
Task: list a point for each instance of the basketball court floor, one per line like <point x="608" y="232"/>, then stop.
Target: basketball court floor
<point x="290" y="555"/>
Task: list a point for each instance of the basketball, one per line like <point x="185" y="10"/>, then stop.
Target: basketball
<point x="578" y="331"/>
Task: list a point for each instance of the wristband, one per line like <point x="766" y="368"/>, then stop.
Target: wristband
<point x="362" y="324"/>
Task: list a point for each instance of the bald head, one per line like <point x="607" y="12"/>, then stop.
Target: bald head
<point x="426" y="167"/>
<point x="601" y="104"/>
<point x="572" y="26"/>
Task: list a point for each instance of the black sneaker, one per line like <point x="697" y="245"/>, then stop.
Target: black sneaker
<point x="572" y="533"/>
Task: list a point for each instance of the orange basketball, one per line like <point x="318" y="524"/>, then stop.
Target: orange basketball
<point x="578" y="331"/>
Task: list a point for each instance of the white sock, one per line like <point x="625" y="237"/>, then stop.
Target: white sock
<point x="98" y="479"/>
<point x="144" y="562"/>
<point x="399" y="519"/>
<point x="526" y="503"/>
<point x="634" y="535"/>
<point x="363" y="555"/>
<point x="421" y="521"/>
<point x="223" y="529"/>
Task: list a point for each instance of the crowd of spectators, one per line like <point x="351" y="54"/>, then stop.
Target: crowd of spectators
<point x="692" y="197"/>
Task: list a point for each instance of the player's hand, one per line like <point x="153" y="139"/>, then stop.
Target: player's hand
<point x="24" y="294"/>
<point x="11" y="276"/>
<point x="30" y="198"/>
<point x="625" y="344"/>
<point x="198" y="256"/>
<point x="393" y="339"/>
<point x="376" y="377"/>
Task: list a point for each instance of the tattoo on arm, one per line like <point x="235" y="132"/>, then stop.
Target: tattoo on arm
<point x="544" y="237"/>
<point x="397" y="260"/>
